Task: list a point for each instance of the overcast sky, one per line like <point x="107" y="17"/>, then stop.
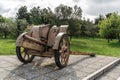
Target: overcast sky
<point x="90" y="8"/>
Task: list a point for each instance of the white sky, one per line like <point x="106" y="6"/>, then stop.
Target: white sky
<point x="90" y="8"/>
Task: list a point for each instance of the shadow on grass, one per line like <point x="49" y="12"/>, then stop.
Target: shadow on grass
<point x="114" y="45"/>
<point x="97" y="40"/>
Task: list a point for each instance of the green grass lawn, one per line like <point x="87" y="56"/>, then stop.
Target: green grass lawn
<point x="7" y="46"/>
<point x="97" y="45"/>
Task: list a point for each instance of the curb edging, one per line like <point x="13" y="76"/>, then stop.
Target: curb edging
<point x="101" y="71"/>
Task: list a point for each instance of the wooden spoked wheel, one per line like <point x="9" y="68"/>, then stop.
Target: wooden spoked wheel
<point x="23" y="56"/>
<point x="62" y="54"/>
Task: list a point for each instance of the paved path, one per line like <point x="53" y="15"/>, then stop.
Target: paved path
<point x="113" y="74"/>
<point x="79" y="67"/>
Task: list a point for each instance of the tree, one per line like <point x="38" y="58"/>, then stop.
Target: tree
<point x="92" y="30"/>
<point x="95" y="27"/>
<point x="63" y="11"/>
<point x="71" y="16"/>
<point x="110" y="27"/>
<point x="74" y="27"/>
<point x="6" y="29"/>
<point x="83" y="28"/>
<point x="35" y="15"/>
<point x="77" y="12"/>
<point x="23" y="14"/>
<point x="47" y="16"/>
<point x="62" y="15"/>
<point x="21" y="26"/>
<point x="100" y="18"/>
<point x="2" y="19"/>
<point x="5" y="26"/>
<point x="108" y="15"/>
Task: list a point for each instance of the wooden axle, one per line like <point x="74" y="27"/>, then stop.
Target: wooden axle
<point x="44" y="54"/>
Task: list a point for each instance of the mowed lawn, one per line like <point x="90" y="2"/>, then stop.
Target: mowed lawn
<point x="7" y="46"/>
<point x="97" y="45"/>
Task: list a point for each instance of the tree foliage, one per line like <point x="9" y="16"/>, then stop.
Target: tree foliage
<point x="62" y="15"/>
<point x="63" y="12"/>
<point x="110" y="27"/>
<point x="6" y="27"/>
<point x="21" y="25"/>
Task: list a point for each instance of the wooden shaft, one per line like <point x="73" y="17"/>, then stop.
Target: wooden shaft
<point x="34" y="40"/>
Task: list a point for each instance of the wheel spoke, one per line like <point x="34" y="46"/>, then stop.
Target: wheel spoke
<point x="25" y="56"/>
<point x="66" y="57"/>
<point x="28" y="56"/>
<point x="60" y="51"/>
<point x="64" y="52"/>
<point x="61" y="44"/>
<point x="62" y="55"/>
<point x="63" y="58"/>
<point x="62" y="61"/>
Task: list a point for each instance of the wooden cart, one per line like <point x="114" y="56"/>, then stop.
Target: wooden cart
<point x="44" y="41"/>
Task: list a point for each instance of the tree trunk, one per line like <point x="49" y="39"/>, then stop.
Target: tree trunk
<point x="70" y="37"/>
<point x="111" y="39"/>
<point x="108" y="39"/>
<point x="93" y="36"/>
<point x="5" y="35"/>
<point x="119" y="39"/>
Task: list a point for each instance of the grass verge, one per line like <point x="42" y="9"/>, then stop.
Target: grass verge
<point x="87" y="45"/>
<point x="97" y="45"/>
<point x="7" y="47"/>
